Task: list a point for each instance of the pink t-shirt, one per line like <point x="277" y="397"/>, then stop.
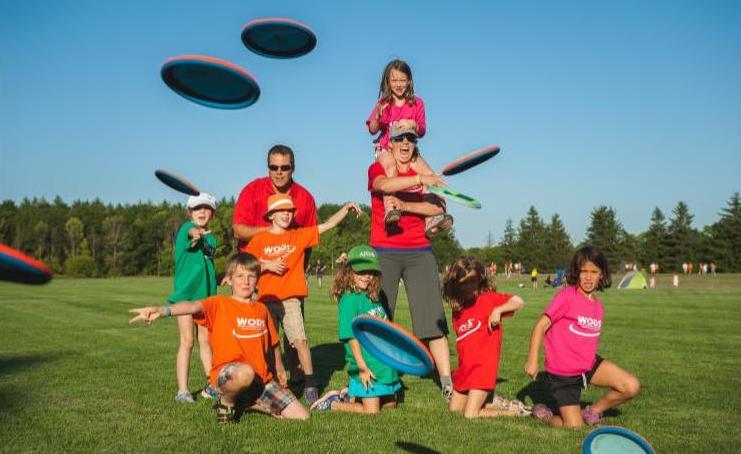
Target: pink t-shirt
<point x="414" y="110"/>
<point x="572" y="341"/>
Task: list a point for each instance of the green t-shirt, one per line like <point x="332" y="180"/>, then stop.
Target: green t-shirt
<point x="195" y="273"/>
<point x="351" y="305"/>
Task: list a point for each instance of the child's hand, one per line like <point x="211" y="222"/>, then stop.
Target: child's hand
<point x="275" y="266"/>
<point x="366" y="376"/>
<point x="494" y="319"/>
<point x="282" y="378"/>
<point x="196" y="233"/>
<point x="146" y="314"/>
<point x="531" y="368"/>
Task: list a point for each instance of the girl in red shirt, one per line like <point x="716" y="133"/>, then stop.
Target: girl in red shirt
<point x="477" y="319"/>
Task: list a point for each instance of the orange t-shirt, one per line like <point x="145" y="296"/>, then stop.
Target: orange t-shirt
<point x="289" y="246"/>
<point x="239" y="332"/>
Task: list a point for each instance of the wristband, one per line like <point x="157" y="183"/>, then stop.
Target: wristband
<point x="167" y="311"/>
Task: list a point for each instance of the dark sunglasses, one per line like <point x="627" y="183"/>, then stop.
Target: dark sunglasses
<point x="275" y="168"/>
<point x="411" y="138"/>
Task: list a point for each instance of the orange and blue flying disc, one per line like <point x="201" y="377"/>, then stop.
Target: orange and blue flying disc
<point x="278" y="37"/>
<point x="615" y="440"/>
<point x="16" y="266"/>
<point x="210" y="81"/>
<point x="470" y="160"/>
<point x="177" y="182"/>
<point x="392" y="345"/>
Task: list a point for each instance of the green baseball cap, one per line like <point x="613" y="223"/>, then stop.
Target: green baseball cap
<point x="363" y="258"/>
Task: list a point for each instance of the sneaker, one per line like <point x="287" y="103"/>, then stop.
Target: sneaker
<point x="225" y="413"/>
<point x="184" y="397"/>
<point x="434" y="225"/>
<point x="591" y="417"/>
<point x="344" y="396"/>
<point x="392" y="216"/>
<point x="311" y="394"/>
<point x="447" y="392"/>
<point x="209" y="392"/>
<point x="325" y="403"/>
<point x="542" y="413"/>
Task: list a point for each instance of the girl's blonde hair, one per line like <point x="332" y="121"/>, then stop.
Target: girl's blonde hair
<point x="464" y="269"/>
<point x="344" y="282"/>
<point x="384" y="92"/>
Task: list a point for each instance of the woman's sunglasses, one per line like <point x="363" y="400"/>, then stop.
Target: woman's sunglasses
<point x="411" y="138"/>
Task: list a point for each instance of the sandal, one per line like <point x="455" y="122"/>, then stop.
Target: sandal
<point x="225" y="413"/>
<point x="542" y="413"/>
<point x="392" y="216"/>
<point x="437" y="224"/>
<point x="515" y="406"/>
<point x="591" y="417"/>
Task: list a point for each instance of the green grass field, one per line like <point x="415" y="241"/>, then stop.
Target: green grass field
<point x="74" y="377"/>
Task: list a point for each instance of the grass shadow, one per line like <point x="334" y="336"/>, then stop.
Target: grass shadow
<point x="415" y="448"/>
<point x="13" y="397"/>
<point x="538" y="391"/>
<point x="327" y="359"/>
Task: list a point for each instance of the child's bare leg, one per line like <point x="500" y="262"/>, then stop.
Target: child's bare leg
<point x="237" y="378"/>
<point x="182" y="361"/>
<point x="295" y="410"/>
<point x="623" y="386"/>
<point x="457" y="402"/>
<point x="368" y="405"/>
<point x="387" y="161"/>
<point x="475" y="403"/>
<point x="204" y="348"/>
<point x="570" y="416"/>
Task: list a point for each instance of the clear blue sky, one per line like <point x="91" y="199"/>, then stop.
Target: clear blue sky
<point x="633" y="104"/>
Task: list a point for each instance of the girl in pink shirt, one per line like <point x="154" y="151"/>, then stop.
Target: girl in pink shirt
<point x="570" y="330"/>
<point x="397" y="103"/>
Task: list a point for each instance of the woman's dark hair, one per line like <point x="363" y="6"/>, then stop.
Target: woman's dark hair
<point x="463" y="269"/>
<point x="588" y="254"/>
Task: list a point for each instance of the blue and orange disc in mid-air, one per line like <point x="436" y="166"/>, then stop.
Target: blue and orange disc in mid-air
<point x="470" y="160"/>
<point x="278" y="37"/>
<point x="615" y="440"/>
<point x="210" y="81"/>
<point x="177" y="182"/>
<point x="392" y="345"/>
<point x="15" y="266"/>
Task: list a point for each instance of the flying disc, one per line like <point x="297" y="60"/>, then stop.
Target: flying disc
<point x="277" y="37"/>
<point x="16" y="266"/>
<point x="614" y="440"/>
<point x="392" y="345"/>
<point x="455" y="196"/>
<point x="176" y="182"/>
<point x="210" y="81"/>
<point x="470" y="160"/>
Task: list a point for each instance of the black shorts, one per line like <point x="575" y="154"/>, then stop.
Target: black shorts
<point x="566" y="390"/>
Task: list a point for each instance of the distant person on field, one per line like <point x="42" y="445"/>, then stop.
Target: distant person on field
<point x="675" y="280"/>
<point x="282" y="285"/>
<point x="712" y="267"/>
<point x="246" y="350"/>
<point x="570" y="330"/>
<point x="319" y="269"/>
<point x="195" y="279"/>
<point x="685" y="267"/>
<point x="534" y="277"/>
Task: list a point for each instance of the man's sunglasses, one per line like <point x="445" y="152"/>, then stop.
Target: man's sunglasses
<point x="275" y="168"/>
<point x="411" y="138"/>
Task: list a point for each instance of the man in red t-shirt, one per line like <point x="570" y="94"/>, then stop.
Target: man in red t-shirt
<point x="252" y="205"/>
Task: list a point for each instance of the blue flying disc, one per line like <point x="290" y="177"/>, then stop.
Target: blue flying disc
<point x="392" y="345"/>
<point x="210" y="81"/>
<point x="16" y="266"/>
<point x="177" y="182"/>
<point x="455" y="196"/>
<point x="615" y="440"/>
<point x="470" y="160"/>
<point x="278" y="37"/>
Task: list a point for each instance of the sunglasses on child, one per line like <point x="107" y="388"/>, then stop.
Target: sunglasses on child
<point x="283" y="168"/>
<point x="411" y="138"/>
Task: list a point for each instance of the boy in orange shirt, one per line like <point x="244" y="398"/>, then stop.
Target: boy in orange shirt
<point x="246" y="353"/>
<point x="282" y="284"/>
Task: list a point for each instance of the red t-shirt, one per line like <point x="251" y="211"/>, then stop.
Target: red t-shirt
<point x="409" y="232"/>
<point x="253" y="203"/>
<point x="239" y="332"/>
<point x="478" y="347"/>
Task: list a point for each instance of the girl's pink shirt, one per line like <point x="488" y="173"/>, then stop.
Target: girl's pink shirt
<point x="572" y="341"/>
<point x="407" y="111"/>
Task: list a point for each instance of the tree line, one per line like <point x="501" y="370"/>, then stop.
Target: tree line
<point x="94" y="239"/>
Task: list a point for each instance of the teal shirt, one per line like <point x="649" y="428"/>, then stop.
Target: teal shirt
<point x="351" y="305"/>
<point x="195" y="273"/>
